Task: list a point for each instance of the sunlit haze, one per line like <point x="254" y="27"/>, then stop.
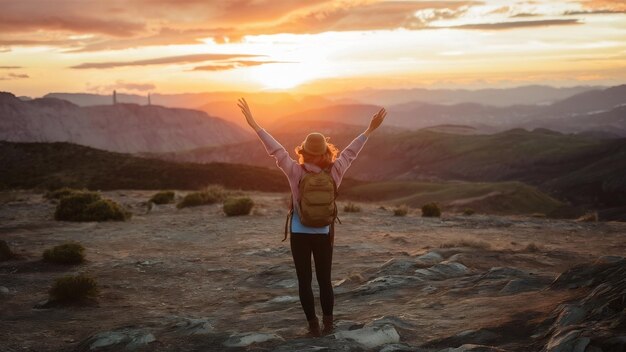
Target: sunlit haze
<point x="311" y="46"/>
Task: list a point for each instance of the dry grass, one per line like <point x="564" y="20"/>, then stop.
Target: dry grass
<point x="589" y="217"/>
<point x="401" y="210"/>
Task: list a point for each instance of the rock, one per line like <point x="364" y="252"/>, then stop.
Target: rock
<point x="503" y="273"/>
<point x="129" y="338"/>
<point x="472" y="348"/>
<point x="570" y="315"/>
<point x="400" y="347"/>
<point x="193" y="326"/>
<point x="396" y="266"/>
<point x="564" y="341"/>
<point x="517" y="286"/>
<point x="284" y="299"/>
<point x="385" y="283"/>
<point x="248" y="338"/>
<point x="430" y="258"/>
<point x="4" y="290"/>
<point x="442" y="271"/>
<point x="371" y="336"/>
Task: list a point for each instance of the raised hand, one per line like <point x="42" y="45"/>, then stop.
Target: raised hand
<point x="245" y="110"/>
<point x="377" y="119"/>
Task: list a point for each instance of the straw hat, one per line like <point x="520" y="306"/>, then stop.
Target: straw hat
<point x="315" y="144"/>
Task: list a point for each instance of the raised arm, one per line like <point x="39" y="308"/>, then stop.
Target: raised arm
<point x="350" y="153"/>
<point x="272" y="146"/>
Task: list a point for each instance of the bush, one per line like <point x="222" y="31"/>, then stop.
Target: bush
<point x="209" y="195"/>
<point x="68" y="253"/>
<point x="238" y="206"/>
<point x="89" y="206"/>
<point x="5" y="251"/>
<point x="468" y="212"/>
<point x="163" y="197"/>
<point x="401" y="210"/>
<point x="71" y="289"/>
<point x="351" y="208"/>
<point x="532" y="247"/>
<point x="431" y="210"/>
<point x="60" y="193"/>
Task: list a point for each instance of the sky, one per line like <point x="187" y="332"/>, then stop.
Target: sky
<point x="307" y="46"/>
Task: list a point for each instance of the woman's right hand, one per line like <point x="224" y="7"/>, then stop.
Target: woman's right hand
<point x="245" y="110"/>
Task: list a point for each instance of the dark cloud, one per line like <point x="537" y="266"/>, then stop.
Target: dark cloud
<point x="163" y="60"/>
<point x="517" y="24"/>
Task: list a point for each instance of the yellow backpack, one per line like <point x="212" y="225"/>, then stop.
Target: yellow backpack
<point x="317" y="199"/>
<point x="318" y="192"/>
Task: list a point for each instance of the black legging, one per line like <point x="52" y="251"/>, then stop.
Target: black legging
<point x="302" y="245"/>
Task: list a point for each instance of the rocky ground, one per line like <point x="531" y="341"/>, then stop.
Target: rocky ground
<point x="196" y="280"/>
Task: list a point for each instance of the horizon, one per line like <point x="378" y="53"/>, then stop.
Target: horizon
<point x="316" y="47"/>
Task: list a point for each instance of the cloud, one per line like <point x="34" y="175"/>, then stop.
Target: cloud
<point x="594" y="12"/>
<point x="609" y="5"/>
<point x="75" y="24"/>
<point x="9" y="67"/>
<point x="233" y="65"/>
<point x="12" y="76"/>
<point x="517" y="24"/>
<point x="122" y="85"/>
<point x="163" y="60"/>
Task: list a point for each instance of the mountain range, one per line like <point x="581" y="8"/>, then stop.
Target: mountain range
<point x="123" y="127"/>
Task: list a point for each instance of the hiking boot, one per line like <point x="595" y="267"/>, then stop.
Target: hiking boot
<point x="314" y="328"/>
<point x="329" y="326"/>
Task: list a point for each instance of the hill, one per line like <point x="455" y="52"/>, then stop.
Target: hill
<point x="54" y="165"/>
<point x="128" y="128"/>
<point x="482" y="197"/>
<point x="557" y="163"/>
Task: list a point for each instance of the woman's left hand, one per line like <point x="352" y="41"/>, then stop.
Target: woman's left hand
<point x="377" y="120"/>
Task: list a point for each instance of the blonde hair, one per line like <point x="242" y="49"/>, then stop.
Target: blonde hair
<point x="323" y="161"/>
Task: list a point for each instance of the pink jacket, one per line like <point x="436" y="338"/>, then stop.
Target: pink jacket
<point x="293" y="170"/>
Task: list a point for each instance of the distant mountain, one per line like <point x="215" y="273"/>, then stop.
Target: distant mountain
<point x="126" y="128"/>
<point x="525" y="95"/>
<point x="592" y="101"/>
<point x="611" y="123"/>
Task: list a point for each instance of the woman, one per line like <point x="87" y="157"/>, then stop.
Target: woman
<point x="315" y="155"/>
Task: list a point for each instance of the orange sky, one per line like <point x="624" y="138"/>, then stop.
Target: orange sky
<point x="174" y="46"/>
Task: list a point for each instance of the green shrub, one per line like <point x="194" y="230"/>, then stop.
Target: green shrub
<point x="70" y="289"/>
<point x="89" y="206"/>
<point x="351" y="208"/>
<point x="238" y="206"/>
<point x="209" y="195"/>
<point x="5" y="251"/>
<point x="402" y="210"/>
<point x="163" y="197"/>
<point x="431" y="210"/>
<point x="68" y="253"/>
<point x="468" y="211"/>
<point x="60" y="193"/>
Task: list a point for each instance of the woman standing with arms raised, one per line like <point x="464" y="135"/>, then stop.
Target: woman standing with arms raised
<point x="317" y="158"/>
